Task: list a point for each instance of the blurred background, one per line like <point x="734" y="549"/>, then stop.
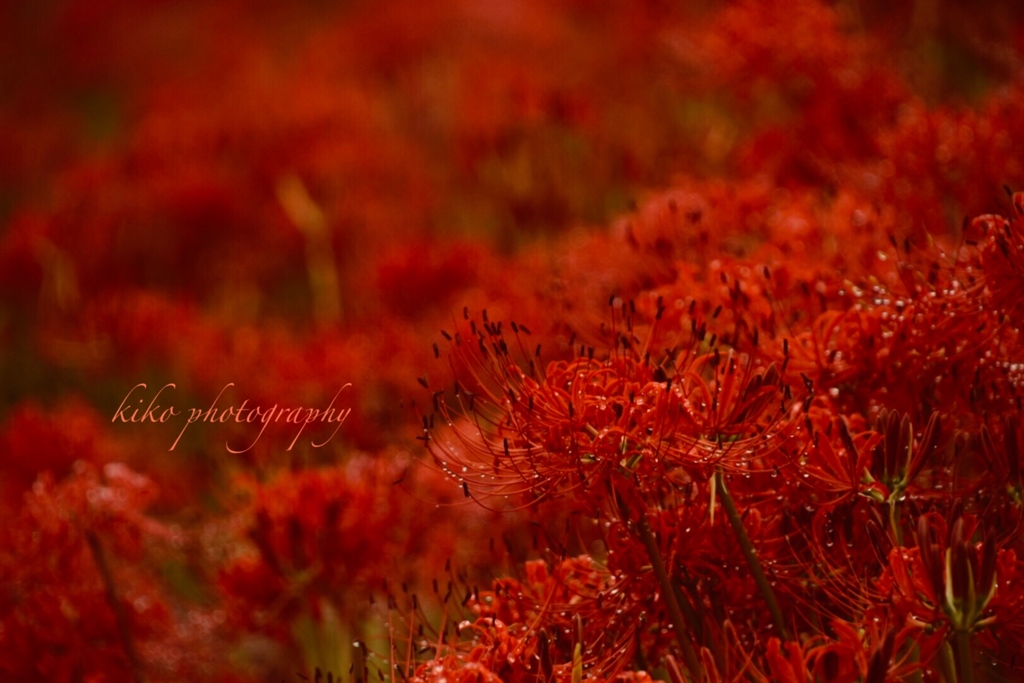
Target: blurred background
<point x="295" y="196"/>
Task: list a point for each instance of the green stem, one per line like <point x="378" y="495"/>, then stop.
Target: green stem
<point x="675" y="614"/>
<point x="689" y="615"/>
<point x="963" y="655"/>
<point x="120" y="616"/>
<point x="946" y="663"/>
<point x="915" y="657"/>
<point x="894" y="522"/>
<point x="321" y="266"/>
<point x="751" y="555"/>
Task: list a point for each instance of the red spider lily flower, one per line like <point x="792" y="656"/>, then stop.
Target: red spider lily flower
<point x="969" y="575"/>
<point x="578" y="425"/>
<point x="867" y="654"/>
<point x="461" y="670"/>
<point x="1002" y="258"/>
<point x="310" y="547"/>
<point x="842" y="660"/>
<point x="896" y="460"/>
<point x="982" y="592"/>
<point x="786" y="662"/>
<point x="889" y="350"/>
<point x="82" y="596"/>
<point x="499" y="647"/>
<point x="959" y="156"/>
<point x="319" y="530"/>
<point x="454" y="668"/>
<point x="562" y="619"/>
<point x="1004" y="462"/>
<point x="575" y="601"/>
<point x="837" y="460"/>
<point x="35" y="441"/>
<point x="948" y="586"/>
<point x="1005" y="638"/>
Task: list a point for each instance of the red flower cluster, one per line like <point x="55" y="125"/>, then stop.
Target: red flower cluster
<point x="757" y="416"/>
<point x="863" y="460"/>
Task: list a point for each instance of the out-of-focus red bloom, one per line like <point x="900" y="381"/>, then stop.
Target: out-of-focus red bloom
<point x="313" y="545"/>
<point x="1002" y="258"/>
<point x="79" y="597"/>
<point x="35" y="441"/>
